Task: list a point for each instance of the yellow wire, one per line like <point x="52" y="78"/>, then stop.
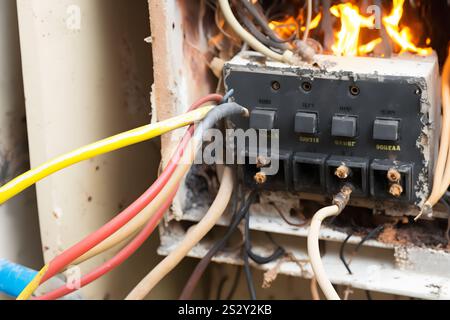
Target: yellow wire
<point x="113" y="143"/>
<point x="32" y="285"/>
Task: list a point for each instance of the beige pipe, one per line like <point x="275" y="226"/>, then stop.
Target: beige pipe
<point x="87" y="74"/>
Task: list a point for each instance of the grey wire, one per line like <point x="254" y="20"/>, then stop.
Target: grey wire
<point x="228" y="95"/>
<point x="261" y="20"/>
<point x="215" y="115"/>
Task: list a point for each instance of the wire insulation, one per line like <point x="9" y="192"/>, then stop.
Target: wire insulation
<point x="192" y="237"/>
<point x="71" y="254"/>
<point x="249" y="38"/>
<point x="218" y="207"/>
<point x="314" y="251"/>
<point x="33" y="285"/>
<point x="196" y="275"/>
<point x="107" y="145"/>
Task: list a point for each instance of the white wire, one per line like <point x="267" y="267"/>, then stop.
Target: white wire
<point x="314" y="251"/>
<point x="308" y="21"/>
<point x="249" y="38"/>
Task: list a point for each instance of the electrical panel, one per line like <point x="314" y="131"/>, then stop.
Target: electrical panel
<point x="366" y="121"/>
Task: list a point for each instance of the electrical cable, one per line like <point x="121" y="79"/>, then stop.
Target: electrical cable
<point x="94" y="243"/>
<point x="340" y="201"/>
<point x="442" y="169"/>
<point x="263" y="23"/>
<point x="220" y="287"/>
<point x="117" y="260"/>
<point x="314" y="251"/>
<point x="193" y="236"/>
<point x="278" y="253"/>
<point x="214" y="213"/>
<point x="247" y="37"/>
<point x="342" y="250"/>
<point x="314" y="290"/>
<point x="235" y="283"/>
<point x="32" y="285"/>
<point x="259" y="35"/>
<point x="249" y="275"/>
<point x="150" y="208"/>
<point x="196" y="275"/>
<point x="281" y="214"/>
<point x="370" y="235"/>
<point x="170" y="188"/>
<point x="107" y="145"/>
<point x="308" y="20"/>
<point x="89" y="242"/>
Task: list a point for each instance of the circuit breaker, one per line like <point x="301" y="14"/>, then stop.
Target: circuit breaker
<point x="371" y="122"/>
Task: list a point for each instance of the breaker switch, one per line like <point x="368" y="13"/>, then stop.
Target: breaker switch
<point x="385" y="129"/>
<point x="262" y="119"/>
<point x="344" y="126"/>
<point x="306" y="122"/>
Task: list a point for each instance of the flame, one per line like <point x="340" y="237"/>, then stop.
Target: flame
<point x="369" y="47"/>
<point x="290" y="25"/>
<point x="314" y="22"/>
<point x="347" y="38"/>
<point x="401" y="36"/>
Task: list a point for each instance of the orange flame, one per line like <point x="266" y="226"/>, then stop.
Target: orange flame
<point x="347" y="39"/>
<point x="287" y="27"/>
<point x="401" y="36"/>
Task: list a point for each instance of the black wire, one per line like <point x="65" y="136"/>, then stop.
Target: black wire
<point x="370" y="235"/>
<point x="341" y="253"/>
<point x="258" y="34"/>
<point x="247" y="269"/>
<point x="218" y="246"/>
<point x="235" y="283"/>
<point x="249" y="276"/>
<point x="220" y="287"/>
<point x="262" y="21"/>
<point x="278" y="253"/>
<point x="363" y="240"/>
<point x="248" y="253"/>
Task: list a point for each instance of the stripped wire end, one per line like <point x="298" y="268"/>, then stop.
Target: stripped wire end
<point x="343" y="197"/>
<point x="427" y="209"/>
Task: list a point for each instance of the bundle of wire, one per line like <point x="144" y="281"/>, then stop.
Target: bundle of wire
<point x="209" y="220"/>
<point x="162" y="200"/>
<point x="69" y="255"/>
<point x="248" y="253"/>
<point x="165" y="196"/>
<point x="203" y="264"/>
<point x="441" y="180"/>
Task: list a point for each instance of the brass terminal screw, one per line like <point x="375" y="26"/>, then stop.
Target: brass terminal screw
<point x="260" y="177"/>
<point x="396" y="190"/>
<point x="342" y="172"/>
<point x="393" y="175"/>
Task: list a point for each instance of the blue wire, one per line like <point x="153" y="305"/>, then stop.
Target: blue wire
<point x="14" y="277"/>
<point x="228" y="95"/>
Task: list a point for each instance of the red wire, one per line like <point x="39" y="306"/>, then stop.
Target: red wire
<point x="118" y="259"/>
<point x="77" y="250"/>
